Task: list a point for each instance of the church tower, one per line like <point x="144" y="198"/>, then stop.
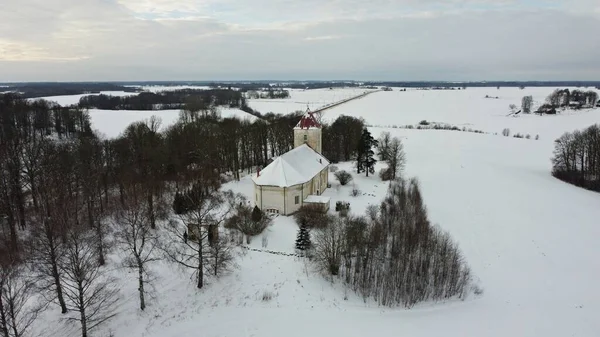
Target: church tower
<point x="308" y="131"/>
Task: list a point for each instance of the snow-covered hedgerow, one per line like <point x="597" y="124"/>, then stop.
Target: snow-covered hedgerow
<point x="394" y="254"/>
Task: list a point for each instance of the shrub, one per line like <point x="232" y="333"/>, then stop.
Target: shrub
<point x="537" y="137"/>
<point x="312" y="216"/>
<point x="355" y="192"/>
<point x="333" y="168"/>
<point x="243" y="220"/>
<point x="528" y="136"/>
<point x="506" y="132"/>
<point x="518" y="135"/>
<point x="385" y="174"/>
<point x="423" y="122"/>
<point x="343" y="177"/>
<point x="267" y="296"/>
<point x="342" y="207"/>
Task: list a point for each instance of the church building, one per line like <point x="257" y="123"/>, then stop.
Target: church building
<point x="297" y="177"/>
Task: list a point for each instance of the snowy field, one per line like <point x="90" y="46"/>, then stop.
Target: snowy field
<point x="468" y="108"/>
<point x="65" y="100"/>
<point x="300" y="100"/>
<point x="530" y="239"/>
<point x="111" y="123"/>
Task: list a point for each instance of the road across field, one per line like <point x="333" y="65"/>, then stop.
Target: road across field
<point x="332" y="105"/>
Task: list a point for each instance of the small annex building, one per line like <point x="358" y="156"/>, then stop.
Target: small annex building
<point x="298" y="176"/>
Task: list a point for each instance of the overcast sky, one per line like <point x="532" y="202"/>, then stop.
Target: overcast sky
<point x="116" y="40"/>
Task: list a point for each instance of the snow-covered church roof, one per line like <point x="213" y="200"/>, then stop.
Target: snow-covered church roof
<point x="294" y="167"/>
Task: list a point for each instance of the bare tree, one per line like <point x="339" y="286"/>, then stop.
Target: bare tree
<point x="88" y="291"/>
<point x="383" y="146"/>
<point x="47" y="250"/>
<point x="220" y="255"/>
<point x="138" y="242"/>
<point x="527" y="104"/>
<point x="18" y="309"/>
<point x="396" y="157"/>
<point x="329" y="246"/>
<point x="191" y="238"/>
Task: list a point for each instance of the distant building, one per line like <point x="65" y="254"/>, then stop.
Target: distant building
<point x="297" y="177"/>
<point x="546" y="109"/>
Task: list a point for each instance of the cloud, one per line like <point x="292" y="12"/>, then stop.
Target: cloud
<point x="286" y="39"/>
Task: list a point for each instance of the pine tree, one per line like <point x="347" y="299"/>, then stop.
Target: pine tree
<point x="303" y="238"/>
<point x="365" y="159"/>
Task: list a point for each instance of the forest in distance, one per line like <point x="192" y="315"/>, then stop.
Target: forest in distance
<point x="42" y="89"/>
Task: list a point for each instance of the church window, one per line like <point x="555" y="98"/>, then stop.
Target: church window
<point x="297" y="200"/>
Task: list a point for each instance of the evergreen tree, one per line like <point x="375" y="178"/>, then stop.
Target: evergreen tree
<point x="256" y="214"/>
<point x="365" y="159"/>
<point x="303" y="238"/>
<point x="179" y="203"/>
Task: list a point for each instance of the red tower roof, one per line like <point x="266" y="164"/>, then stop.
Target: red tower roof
<point x="308" y="121"/>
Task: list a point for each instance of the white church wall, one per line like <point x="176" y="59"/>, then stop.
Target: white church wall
<point x="269" y="197"/>
<point x="290" y="200"/>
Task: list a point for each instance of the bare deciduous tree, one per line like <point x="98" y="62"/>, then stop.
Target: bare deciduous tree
<point x="329" y="246"/>
<point x="383" y="146"/>
<point x="191" y="238"/>
<point x="138" y="242"/>
<point x="527" y="104"/>
<point x="88" y="290"/>
<point x="18" y="309"/>
<point x="396" y="158"/>
<point x="47" y="250"/>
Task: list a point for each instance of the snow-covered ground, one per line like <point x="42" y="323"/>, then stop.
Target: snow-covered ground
<point x="300" y="100"/>
<point x="468" y="108"/>
<point x="65" y="100"/>
<point x="530" y="239"/>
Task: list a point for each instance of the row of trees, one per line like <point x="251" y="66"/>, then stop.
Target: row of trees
<point x="193" y="99"/>
<point x="577" y="158"/>
<point x="393" y="254"/>
<point x="267" y="94"/>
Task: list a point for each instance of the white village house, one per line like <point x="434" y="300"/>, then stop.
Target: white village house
<point x="297" y="177"/>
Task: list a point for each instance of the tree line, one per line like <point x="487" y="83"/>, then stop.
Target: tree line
<point x="577" y="158"/>
<point x="197" y="99"/>
<point x="268" y="94"/>
<point x="33" y="90"/>
<point x="576" y="99"/>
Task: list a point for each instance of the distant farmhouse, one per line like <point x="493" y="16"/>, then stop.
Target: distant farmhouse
<point x="297" y="177"/>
